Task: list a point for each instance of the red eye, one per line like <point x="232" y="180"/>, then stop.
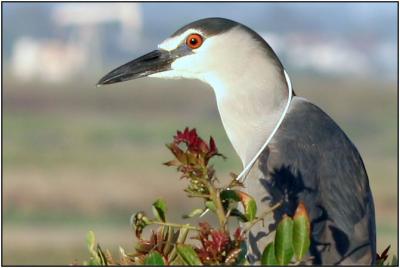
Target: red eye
<point x="194" y="41"/>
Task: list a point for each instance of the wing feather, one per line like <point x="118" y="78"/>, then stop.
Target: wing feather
<point x="312" y="160"/>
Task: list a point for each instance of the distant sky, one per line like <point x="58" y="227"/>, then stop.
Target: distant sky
<point x="160" y="19"/>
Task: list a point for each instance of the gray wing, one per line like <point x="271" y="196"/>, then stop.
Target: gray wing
<point x="311" y="159"/>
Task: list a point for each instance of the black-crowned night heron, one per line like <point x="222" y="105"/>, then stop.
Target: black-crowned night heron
<point x="291" y="150"/>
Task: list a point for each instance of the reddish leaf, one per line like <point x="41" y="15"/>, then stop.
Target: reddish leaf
<point x="213" y="147"/>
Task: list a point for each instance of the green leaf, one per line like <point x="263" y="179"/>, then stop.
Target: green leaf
<point x="91" y="243"/>
<point x="229" y="199"/>
<point x="188" y="254"/>
<point x="183" y="233"/>
<point x="210" y="205"/>
<point x="102" y="256"/>
<point x="229" y="195"/>
<point x="395" y="261"/>
<point x="301" y="232"/>
<point x="169" y="237"/>
<point x="268" y="256"/>
<point x="92" y="262"/>
<point x="250" y="209"/>
<point x="243" y="251"/>
<point x="154" y="259"/>
<point x="160" y="209"/>
<point x="194" y="213"/>
<point x="283" y="241"/>
<point x="249" y="204"/>
<point x="178" y="261"/>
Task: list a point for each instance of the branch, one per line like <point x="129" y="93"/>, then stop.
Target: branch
<point x="261" y="217"/>
<point x="205" y="196"/>
<point x="176" y="225"/>
<point x="214" y="196"/>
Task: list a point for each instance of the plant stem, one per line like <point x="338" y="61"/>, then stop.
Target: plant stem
<point x="214" y="196"/>
<point x="205" y="196"/>
<point x="176" y="225"/>
<point x="220" y="210"/>
<point x="261" y="217"/>
<point x="228" y="213"/>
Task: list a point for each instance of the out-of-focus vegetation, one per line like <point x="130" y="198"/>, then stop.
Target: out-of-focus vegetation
<point x="77" y="157"/>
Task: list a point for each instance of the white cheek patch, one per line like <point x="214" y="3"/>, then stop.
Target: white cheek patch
<point x="170" y="43"/>
<point x="173" y="42"/>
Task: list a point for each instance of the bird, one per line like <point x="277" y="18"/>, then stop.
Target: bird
<point x="291" y="150"/>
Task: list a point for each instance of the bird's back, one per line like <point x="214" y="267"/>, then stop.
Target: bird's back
<point x="310" y="159"/>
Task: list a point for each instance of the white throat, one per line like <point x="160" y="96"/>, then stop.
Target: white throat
<point x="250" y="108"/>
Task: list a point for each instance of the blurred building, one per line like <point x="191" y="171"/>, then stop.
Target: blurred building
<point x="47" y="60"/>
<point x="85" y="19"/>
<point x="314" y="53"/>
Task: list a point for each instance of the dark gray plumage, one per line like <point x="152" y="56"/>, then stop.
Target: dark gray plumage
<point x="209" y="26"/>
<point x="312" y="160"/>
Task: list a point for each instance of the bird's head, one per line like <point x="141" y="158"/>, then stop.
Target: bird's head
<point x="247" y="77"/>
<point x="209" y="49"/>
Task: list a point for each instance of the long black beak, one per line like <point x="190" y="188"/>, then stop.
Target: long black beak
<point x="153" y="62"/>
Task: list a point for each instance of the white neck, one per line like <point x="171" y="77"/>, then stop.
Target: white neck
<point x="251" y="106"/>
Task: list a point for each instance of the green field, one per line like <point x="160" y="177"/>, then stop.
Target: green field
<point x="77" y="157"/>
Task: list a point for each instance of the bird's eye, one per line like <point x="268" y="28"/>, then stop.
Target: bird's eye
<point x="194" y="41"/>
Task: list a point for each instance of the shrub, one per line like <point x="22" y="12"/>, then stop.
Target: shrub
<point x="170" y="244"/>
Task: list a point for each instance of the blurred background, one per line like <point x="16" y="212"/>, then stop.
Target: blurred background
<point x="79" y="158"/>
